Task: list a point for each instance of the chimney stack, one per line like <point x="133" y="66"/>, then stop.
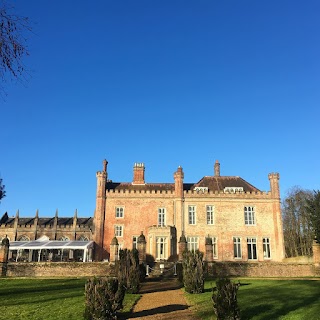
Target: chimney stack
<point x="138" y="173"/>
<point x="217" y="169"/>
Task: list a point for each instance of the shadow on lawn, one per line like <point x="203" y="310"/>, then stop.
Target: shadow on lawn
<point x="153" y="311"/>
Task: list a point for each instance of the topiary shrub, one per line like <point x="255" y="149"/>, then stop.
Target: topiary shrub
<point x="128" y="270"/>
<point x="179" y="271"/>
<point x="224" y="299"/>
<point x="103" y="298"/>
<point x="193" y="271"/>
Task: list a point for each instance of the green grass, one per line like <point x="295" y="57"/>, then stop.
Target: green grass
<point x="50" y="299"/>
<point x="267" y="299"/>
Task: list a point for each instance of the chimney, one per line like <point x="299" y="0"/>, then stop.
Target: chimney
<point x="138" y="173"/>
<point x="178" y="182"/>
<point x="217" y="169"/>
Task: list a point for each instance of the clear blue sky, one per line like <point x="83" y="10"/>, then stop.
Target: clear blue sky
<point x="166" y="83"/>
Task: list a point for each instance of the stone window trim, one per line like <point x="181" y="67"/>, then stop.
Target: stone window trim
<point x="119" y="212"/>
<point x="210" y="214"/>
<point x="64" y="238"/>
<point x="118" y="230"/>
<point x="266" y="244"/>
<point x="192" y="214"/>
<point x="249" y="215"/>
<point x="83" y="238"/>
<point x="24" y="238"/>
<point x="237" y="247"/>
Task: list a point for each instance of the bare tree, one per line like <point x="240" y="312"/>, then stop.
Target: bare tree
<point x="2" y="190"/>
<point x="313" y="208"/>
<point x="297" y="224"/>
<point x="13" y="44"/>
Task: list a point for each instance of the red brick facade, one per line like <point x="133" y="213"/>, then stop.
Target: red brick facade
<point x="243" y="222"/>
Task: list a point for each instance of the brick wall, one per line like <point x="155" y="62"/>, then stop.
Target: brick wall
<point x="263" y="269"/>
<point x="79" y="269"/>
<point x="58" y="269"/>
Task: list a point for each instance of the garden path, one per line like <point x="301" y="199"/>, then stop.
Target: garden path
<point x="162" y="299"/>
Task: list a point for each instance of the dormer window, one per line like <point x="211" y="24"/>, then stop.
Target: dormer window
<point x="232" y="189"/>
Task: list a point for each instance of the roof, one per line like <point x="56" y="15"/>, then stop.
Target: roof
<point x="213" y="183"/>
<point x="138" y="187"/>
<point x="37" y="245"/>
<point x="87" y="222"/>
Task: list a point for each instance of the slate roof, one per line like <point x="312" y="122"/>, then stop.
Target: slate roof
<point x="213" y="183"/>
<point x="138" y="187"/>
<point x="45" y="221"/>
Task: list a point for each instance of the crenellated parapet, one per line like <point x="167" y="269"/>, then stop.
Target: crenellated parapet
<point x="227" y="195"/>
<point x="128" y="192"/>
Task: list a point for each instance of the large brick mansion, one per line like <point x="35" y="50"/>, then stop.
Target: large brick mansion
<point x="241" y="222"/>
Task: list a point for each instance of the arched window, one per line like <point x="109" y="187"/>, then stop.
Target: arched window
<point x="64" y="238"/>
<point x="83" y="238"/>
<point x="24" y="238"/>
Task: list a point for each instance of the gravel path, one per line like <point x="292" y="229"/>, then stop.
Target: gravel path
<point x="162" y="300"/>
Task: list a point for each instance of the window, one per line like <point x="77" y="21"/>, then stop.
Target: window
<point x="192" y="243"/>
<point x="135" y="242"/>
<point x="266" y="248"/>
<point x="237" y="248"/>
<point x="215" y="247"/>
<point x="210" y="215"/>
<point x="120" y="246"/>
<point x="119" y="212"/>
<point x="249" y="216"/>
<point x="118" y="231"/>
<point x="83" y="238"/>
<point x="24" y="238"/>
<point x="161" y="217"/>
<point x="64" y="238"/>
<point x="192" y="214"/>
<point x="252" y="248"/>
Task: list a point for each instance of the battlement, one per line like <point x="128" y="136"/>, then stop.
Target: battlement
<point x="139" y="192"/>
<point x="194" y="193"/>
<point x="227" y="194"/>
<point x="274" y="175"/>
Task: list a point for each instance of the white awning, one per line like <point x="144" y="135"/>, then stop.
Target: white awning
<point x="50" y="244"/>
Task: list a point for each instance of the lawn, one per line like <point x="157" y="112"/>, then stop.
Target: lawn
<point x="267" y="299"/>
<point x="50" y="299"/>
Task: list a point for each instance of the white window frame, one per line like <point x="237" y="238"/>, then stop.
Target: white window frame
<point x="252" y="248"/>
<point x="192" y="212"/>
<point x="249" y="216"/>
<point x="237" y="250"/>
<point x="161" y="217"/>
<point x="119" y="212"/>
<point x="215" y="247"/>
<point x="135" y="242"/>
<point x="266" y="248"/>
<point x="118" y="230"/>
<point x="193" y="243"/>
<point x="210" y="214"/>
